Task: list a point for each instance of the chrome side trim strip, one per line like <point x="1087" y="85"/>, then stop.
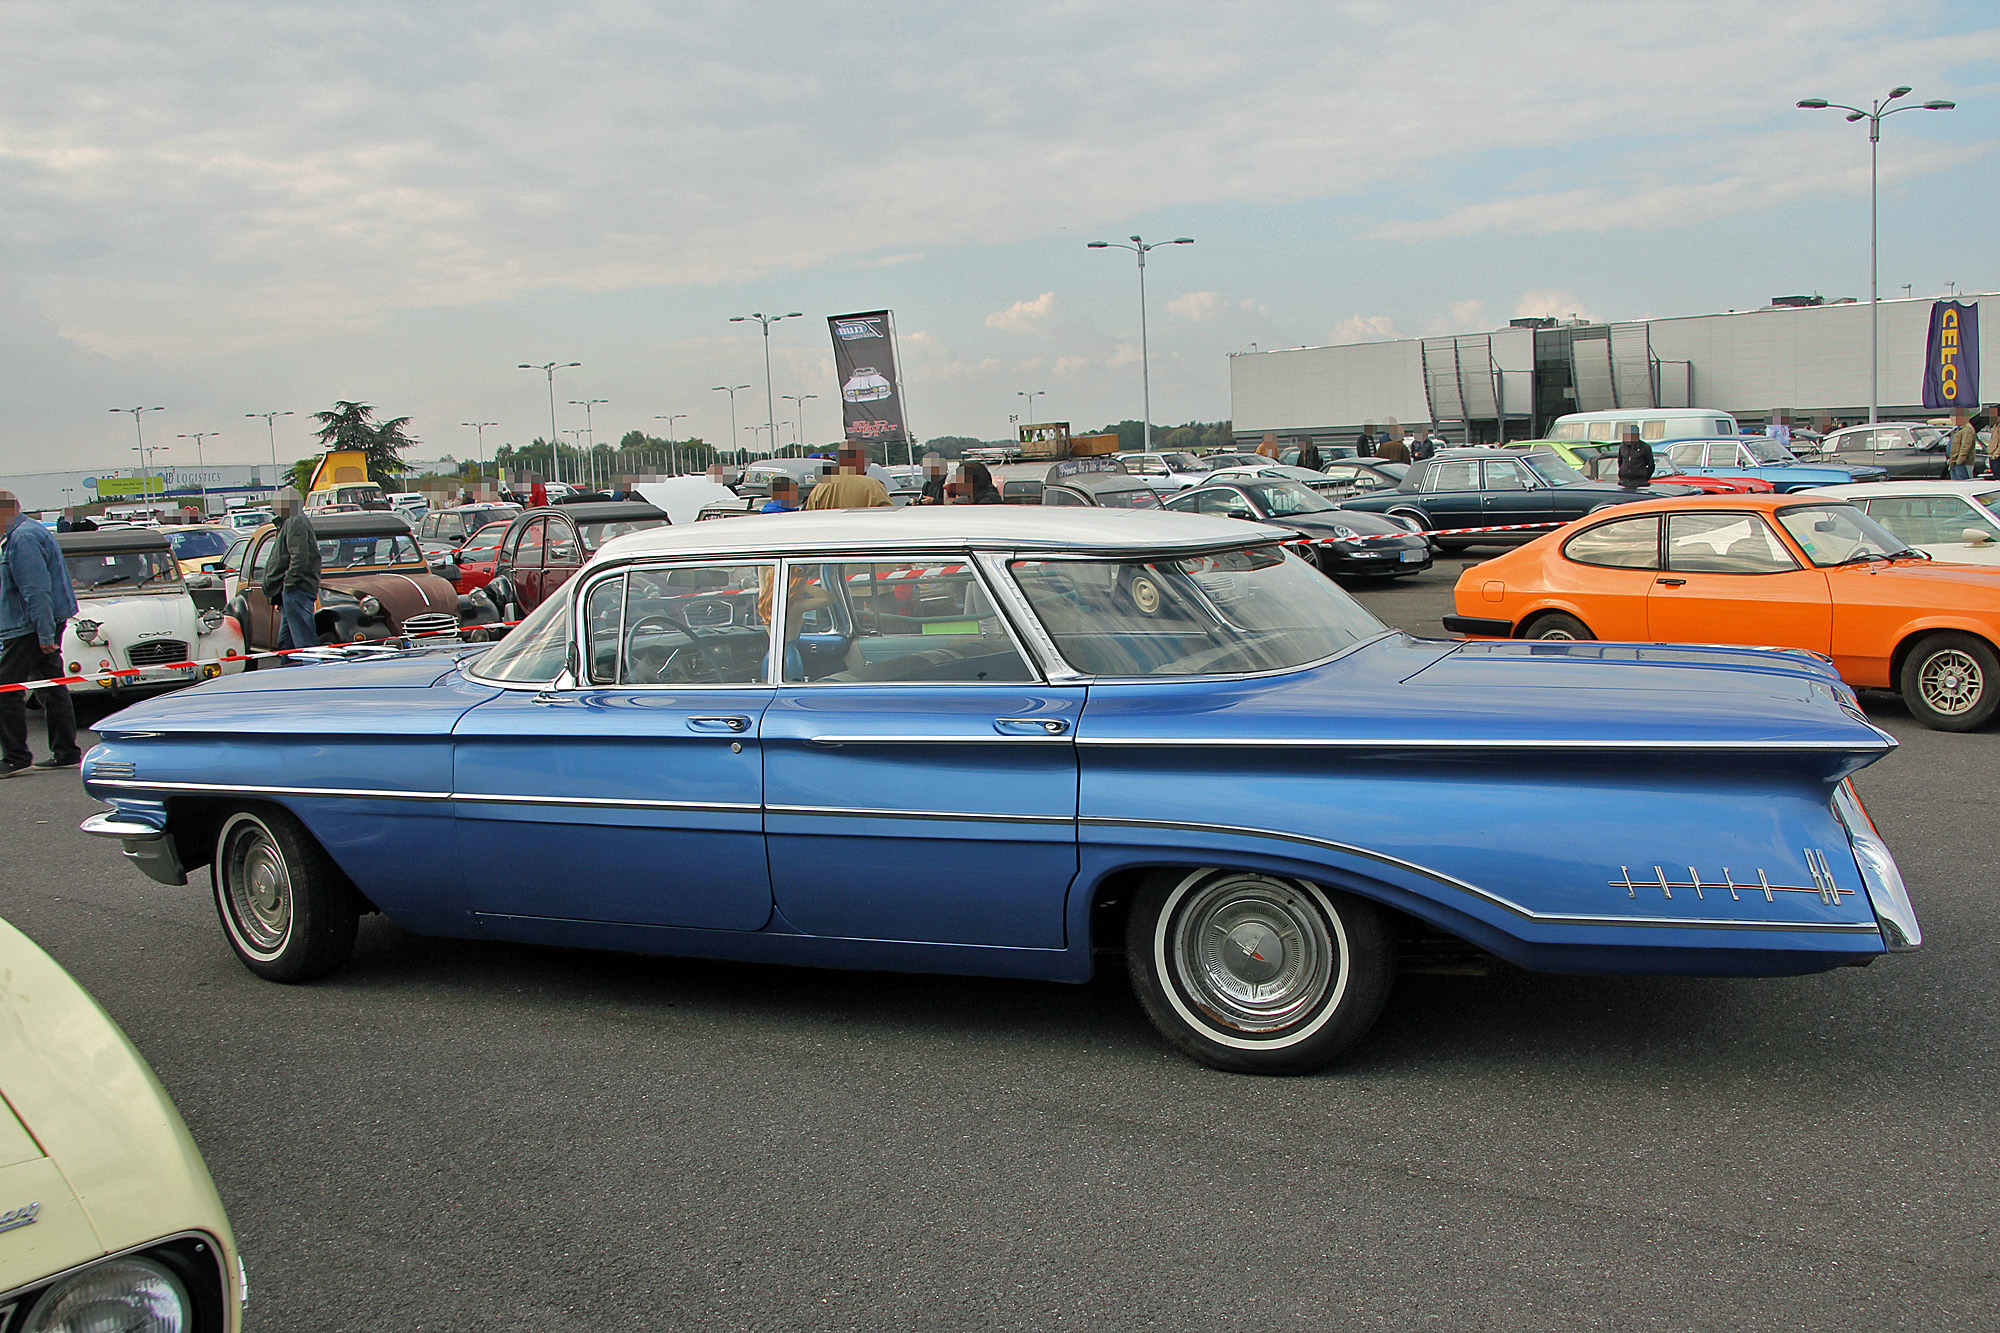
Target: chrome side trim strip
<point x="604" y="802"/>
<point x="1394" y="743"/>
<point x="1486" y="895"/>
<point x="240" y="789"/>
<point x="859" y="812"/>
<point x="994" y="739"/>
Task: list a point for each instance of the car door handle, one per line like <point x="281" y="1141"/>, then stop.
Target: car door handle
<point x="1671" y="583"/>
<point x="1030" y="726"/>
<point x="718" y="724"/>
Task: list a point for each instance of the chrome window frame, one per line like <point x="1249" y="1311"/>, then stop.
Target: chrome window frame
<point x="976" y="563"/>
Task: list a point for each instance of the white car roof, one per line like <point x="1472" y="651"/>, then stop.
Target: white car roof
<point x="1864" y="489"/>
<point x="950" y="527"/>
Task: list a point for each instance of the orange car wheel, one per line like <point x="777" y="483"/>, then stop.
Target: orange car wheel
<point x="1951" y="682"/>
<point x="1556" y="625"/>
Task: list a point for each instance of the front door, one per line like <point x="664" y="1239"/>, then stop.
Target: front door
<point x="920" y="780"/>
<point x="1513" y="494"/>
<point x="633" y="793"/>
<point x="260" y="613"/>
<point x="1729" y="579"/>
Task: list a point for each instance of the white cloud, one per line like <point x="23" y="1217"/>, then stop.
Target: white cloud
<point x="1363" y="328"/>
<point x="1198" y="307"/>
<point x="1550" y="305"/>
<point x="1036" y="316"/>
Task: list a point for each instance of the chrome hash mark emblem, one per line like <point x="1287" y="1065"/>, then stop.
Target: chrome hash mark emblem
<point x="1823" y="884"/>
<point x="19" y="1217"/>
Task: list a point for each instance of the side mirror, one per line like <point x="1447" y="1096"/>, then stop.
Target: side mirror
<point x="1977" y="536"/>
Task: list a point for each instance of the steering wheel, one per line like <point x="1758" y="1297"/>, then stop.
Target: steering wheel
<point x="654" y="661"/>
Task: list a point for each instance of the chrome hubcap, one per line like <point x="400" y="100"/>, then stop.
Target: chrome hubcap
<point x="1555" y="634"/>
<point x="1253" y="954"/>
<point x="1951" y="682"/>
<point x="259" y="889"/>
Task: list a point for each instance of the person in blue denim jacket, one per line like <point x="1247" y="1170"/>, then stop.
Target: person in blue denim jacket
<point x="36" y="601"/>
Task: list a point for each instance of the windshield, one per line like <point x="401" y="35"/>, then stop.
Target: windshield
<point x="1182" y="462"/>
<point x="1838" y="534"/>
<point x="536" y="652"/>
<point x="370" y="551"/>
<point x="198" y="543"/>
<point x="1138" y="497"/>
<point x="596" y="534"/>
<point x="1768" y="450"/>
<point x="1280" y="499"/>
<point x="1552" y="469"/>
<point x="1254" y="610"/>
<point x="121" y="571"/>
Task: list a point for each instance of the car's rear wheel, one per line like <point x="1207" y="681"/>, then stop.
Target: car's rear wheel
<point x="1951" y="682"/>
<point x="288" y="910"/>
<point x="1255" y="974"/>
<point x="1556" y="625"/>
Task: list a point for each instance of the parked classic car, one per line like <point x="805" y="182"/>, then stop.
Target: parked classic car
<point x="1468" y="488"/>
<point x="1599" y="462"/>
<point x="136" y="609"/>
<point x="988" y="740"/>
<point x="1904" y="449"/>
<point x="477" y="558"/>
<point x="108" y="1218"/>
<point x="1956" y="521"/>
<point x="1759" y="456"/>
<point x="374" y="584"/>
<point x="1792" y="571"/>
<point x="1104" y="490"/>
<point x="447" y="529"/>
<point x="1169" y="470"/>
<point x="1347" y="543"/>
<point x="543" y="548"/>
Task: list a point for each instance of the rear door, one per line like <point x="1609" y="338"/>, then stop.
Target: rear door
<point x="1728" y="578"/>
<point x="1511" y="493"/>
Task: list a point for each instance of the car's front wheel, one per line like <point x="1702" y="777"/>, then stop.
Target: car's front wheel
<point x="288" y="910"/>
<point x="1256" y="974"/>
<point x="1951" y="682"/>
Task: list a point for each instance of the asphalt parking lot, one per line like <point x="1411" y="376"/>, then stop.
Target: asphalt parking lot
<point x="468" y="1136"/>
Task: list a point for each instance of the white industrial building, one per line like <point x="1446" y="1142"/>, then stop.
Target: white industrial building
<point x="205" y="489"/>
<point x="1807" y="360"/>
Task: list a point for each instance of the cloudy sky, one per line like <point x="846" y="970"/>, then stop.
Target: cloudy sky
<point x="222" y="208"/>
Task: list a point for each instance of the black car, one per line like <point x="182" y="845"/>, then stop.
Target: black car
<point x="1910" y="450"/>
<point x="1360" y="476"/>
<point x="1397" y="547"/>
<point x="1106" y="490"/>
<point x="1469" y="488"/>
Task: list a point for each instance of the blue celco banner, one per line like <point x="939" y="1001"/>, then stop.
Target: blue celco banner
<point x="1951" y="357"/>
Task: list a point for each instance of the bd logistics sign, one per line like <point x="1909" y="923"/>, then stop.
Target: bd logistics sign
<point x="1951" y="356"/>
<point x="118" y="487"/>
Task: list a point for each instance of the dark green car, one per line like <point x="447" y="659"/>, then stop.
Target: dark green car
<point x="1470" y="488"/>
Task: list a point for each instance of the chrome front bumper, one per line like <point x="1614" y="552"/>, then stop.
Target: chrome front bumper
<point x="147" y="847"/>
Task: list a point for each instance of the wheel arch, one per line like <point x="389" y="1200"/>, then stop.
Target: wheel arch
<point x="1914" y="634"/>
<point x="1548" y="607"/>
<point x="194" y="821"/>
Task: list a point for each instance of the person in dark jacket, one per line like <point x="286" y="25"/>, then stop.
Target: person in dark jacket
<point x="291" y="580"/>
<point x="975" y="485"/>
<point x="1635" y="460"/>
<point x="36" y="600"/>
<point x="1309" y="457"/>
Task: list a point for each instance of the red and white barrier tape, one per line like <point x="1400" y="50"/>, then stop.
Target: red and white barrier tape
<point x="1428" y="532"/>
<point x="228" y="659"/>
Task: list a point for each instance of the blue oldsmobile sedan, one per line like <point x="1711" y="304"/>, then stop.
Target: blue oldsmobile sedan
<point x="1008" y="741"/>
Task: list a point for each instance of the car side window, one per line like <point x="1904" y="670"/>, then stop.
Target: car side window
<point x="1184" y="504"/>
<point x="561" y="548"/>
<point x="1854" y="442"/>
<point x="1725" y="544"/>
<point x="261" y="565"/>
<point x="528" y="546"/>
<point x="1060" y="495"/>
<point x="1452" y="477"/>
<point x="1685" y="455"/>
<point x="908" y="621"/>
<point x="1628" y="543"/>
<point x="1226" y="504"/>
<point x="1504" y="474"/>
<point x="1655" y="429"/>
<point x="1929" y="520"/>
<point x="684" y="625"/>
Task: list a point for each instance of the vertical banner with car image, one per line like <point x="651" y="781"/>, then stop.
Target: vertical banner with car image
<point x="1951" y="356"/>
<point x="864" y="361"/>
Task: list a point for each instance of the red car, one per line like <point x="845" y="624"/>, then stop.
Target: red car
<point x="476" y="558"/>
<point x="1604" y="467"/>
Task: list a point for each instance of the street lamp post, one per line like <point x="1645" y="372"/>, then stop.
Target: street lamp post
<point x="590" y="431"/>
<point x="271" y="430"/>
<point x="145" y="466"/>
<point x="798" y="402"/>
<point x="770" y="403"/>
<point x="1031" y="395"/>
<point x="198" y="437"/>
<point x="1139" y="248"/>
<point x="732" y="390"/>
<point x="1873" y="115"/>
<point x="577" y="436"/>
<point x="480" y="426"/>
<point x="555" y="451"/>
<point x="673" y="463"/>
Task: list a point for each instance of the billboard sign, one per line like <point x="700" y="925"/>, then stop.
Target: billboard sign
<point x="1951" y="356"/>
<point x="864" y="361"/>
<point x="109" y="487"/>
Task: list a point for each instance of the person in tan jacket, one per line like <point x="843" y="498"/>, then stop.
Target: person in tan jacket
<point x="851" y="487"/>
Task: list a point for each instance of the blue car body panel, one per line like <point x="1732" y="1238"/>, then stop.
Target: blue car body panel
<point x="1567" y="806"/>
<point x="1782" y="476"/>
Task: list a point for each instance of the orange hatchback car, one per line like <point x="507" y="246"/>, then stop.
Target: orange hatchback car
<point x="1782" y="571"/>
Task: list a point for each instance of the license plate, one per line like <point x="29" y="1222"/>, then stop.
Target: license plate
<point x="1411" y="557"/>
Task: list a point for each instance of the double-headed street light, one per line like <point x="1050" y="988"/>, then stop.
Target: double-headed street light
<point x="735" y="440"/>
<point x="770" y="403"/>
<point x="555" y="449"/>
<point x="198" y="437"/>
<point x="1139" y="247"/>
<point x="673" y="452"/>
<point x="1032" y="394"/>
<point x="480" y="426"/>
<point x="590" y="430"/>
<point x="798" y="402"/>
<point x="1873" y="115"/>
<point x="271" y="430"/>
<point x="145" y="465"/>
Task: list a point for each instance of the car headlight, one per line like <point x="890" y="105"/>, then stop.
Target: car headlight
<point x="371" y="608"/>
<point x="88" y="630"/>
<point x="1879" y="874"/>
<point x="125" y="1294"/>
<point x="1345" y="533"/>
<point x="210" y="619"/>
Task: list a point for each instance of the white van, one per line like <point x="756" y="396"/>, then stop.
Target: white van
<point x="1656" y="425"/>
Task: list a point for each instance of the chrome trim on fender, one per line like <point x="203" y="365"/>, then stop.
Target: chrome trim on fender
<point x="1879" y="873"/>
<point x="604" y="802"/>
<point x="119" y="824"/>
<point x="1485" y="895"/>
<point x="1388" y="743"/>
<point x="240" y="789"/>
<point x="994" y="739"/>
<point x="860" y="812"/>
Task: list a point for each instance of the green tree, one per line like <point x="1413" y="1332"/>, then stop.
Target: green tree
<point x="353" y="426"/>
